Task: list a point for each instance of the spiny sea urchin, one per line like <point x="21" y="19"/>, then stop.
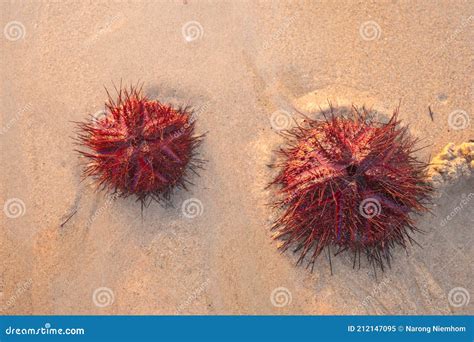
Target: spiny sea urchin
<point x="140" y="147"/>
<point x="350" y="182"/>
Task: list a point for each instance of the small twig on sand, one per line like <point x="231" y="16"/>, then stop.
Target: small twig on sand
<point x="431" y="113"/>
<point x="68" y="218"/>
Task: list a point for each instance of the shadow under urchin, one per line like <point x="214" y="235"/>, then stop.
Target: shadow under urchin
<point x="351" y="183"/>
<point x="140" y="147"/>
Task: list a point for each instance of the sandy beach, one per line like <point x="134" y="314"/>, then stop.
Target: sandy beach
<point x="246" y="68"/>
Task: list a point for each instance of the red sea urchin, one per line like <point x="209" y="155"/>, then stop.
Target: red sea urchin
<point x="350" y="182"/>
<point x="140" y="147"/>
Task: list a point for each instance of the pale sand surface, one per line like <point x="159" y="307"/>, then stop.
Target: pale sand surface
<point x="253" y="59"/>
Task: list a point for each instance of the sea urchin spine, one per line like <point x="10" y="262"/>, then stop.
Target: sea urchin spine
<point x="140" y="147"/>
<point x="350" y="182"/>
